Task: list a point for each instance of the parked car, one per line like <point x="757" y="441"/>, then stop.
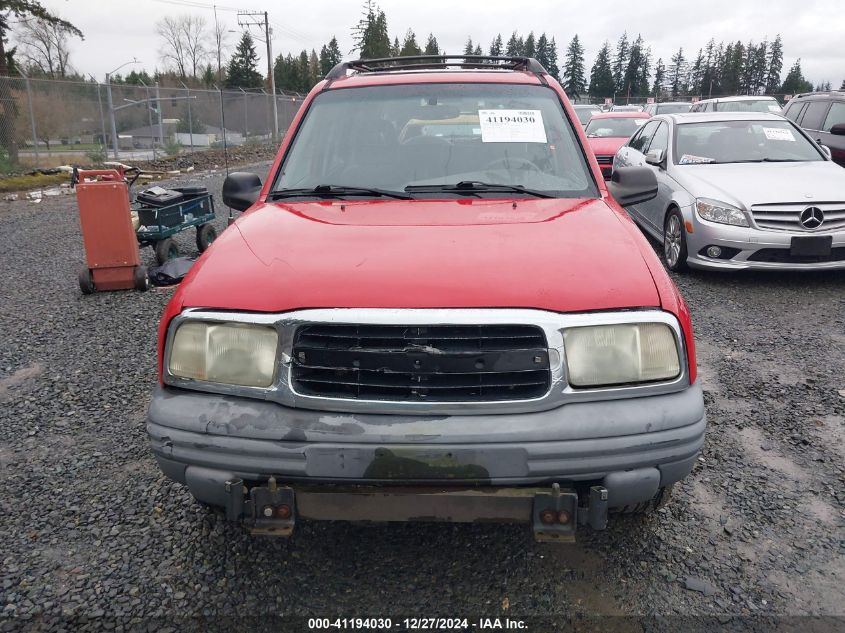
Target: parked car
<point x="748" y="103"/>
<point x="608" y="131"/>
<point x="626" y="108"/>
<point x="460" y="328"/>
<point x="669" y="107"/>
<point x="584" y="112"/>
<point x="822" y="115"/>
<point x="739" y="190"/>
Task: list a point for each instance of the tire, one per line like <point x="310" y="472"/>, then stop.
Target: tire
<point x="166" y="249"/>
<point x="647" y="507"/>
<point x="206" y="234"/>
<point x="86" y="281"/>
<point x="141" y="278"/>
<point x="675" y="242"/>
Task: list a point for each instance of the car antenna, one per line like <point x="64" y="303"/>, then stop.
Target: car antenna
<point x="231" y="217"/>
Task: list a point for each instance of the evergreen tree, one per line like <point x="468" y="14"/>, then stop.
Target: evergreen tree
<point x="371" y="37"/>
<point x="304" y="70"/>
<point x="774" y="65"/>
<point x="190" y="124"/>
<point x="208" y="76"/>
<point x="478" y="50"/>
<point x="677" y="74"/>
<point x="601" y="74"/>
<point x="842" y="87"/>
<point x="732" y="69"/>
<point x="657" y="88"/>
<point x="708" y="71"/>
<point x="313" y="69"/>
<point x="497" y="48"/>
<point x="515" y="46"/>
<point x="410" y="47"/>
<point x="795" y="82"/>
<point x="574" y="76"/>
<point x="396" y="48"/>
<point x="553" y="69"/>
<point x="469" y="47"/>
<point x="620" y="62"/>
<point x="696" y="72"/>
<point x="529" y="48"/>
<point x="632" y="75"/>
<point x="542" y="51"/>
<point x="645" y="71"/>
<point x="242" y="69"/>
<point x="431" y="46"/>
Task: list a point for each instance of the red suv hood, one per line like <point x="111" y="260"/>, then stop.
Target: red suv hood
<point x="559" y="255"/>
<point x="606" y="146"/>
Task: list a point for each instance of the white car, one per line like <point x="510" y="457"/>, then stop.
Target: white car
<point x="739" y="190"/>
<point x="740" y="103"/>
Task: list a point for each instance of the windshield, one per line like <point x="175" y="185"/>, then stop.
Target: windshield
<point x="395" y="138"/>
<point x="585" y="114"/>
<point x="672" y="108"/>
<point x="741" y="142"/>
<point x="749" y="105"/>
<point x="614" y="127"/>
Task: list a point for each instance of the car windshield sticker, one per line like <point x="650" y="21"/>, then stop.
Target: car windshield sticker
<point x="778" y="134"/>
<point x="691" y="159"/>
<point x="512" y="126"/>
<point x="774" y="108"/>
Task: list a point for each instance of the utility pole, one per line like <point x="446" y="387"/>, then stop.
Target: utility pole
<point x="259" y="18"/>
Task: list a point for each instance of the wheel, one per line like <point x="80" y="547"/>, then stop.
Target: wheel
<point x="141" y="278"/>
<point x="674" y="242"/>
<point x="86" y="281"/>
<point x="647" y="507"/>
<point x="206" y="234"/>
<point x="166" y="249"/>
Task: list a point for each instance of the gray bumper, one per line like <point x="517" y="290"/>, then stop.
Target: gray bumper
<point x="631" y="446"/>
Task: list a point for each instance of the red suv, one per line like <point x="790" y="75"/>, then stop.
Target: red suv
<point x="607" y="132"/>
<point x="433" y="309"/>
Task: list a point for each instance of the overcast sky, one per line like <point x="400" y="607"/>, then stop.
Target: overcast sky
<point x="813" y="30"/>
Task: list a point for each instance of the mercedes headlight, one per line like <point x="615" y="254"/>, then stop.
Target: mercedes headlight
<point x="227" y="353"/>
<point x="625" y="353"/>
<point x="721" y="212"/>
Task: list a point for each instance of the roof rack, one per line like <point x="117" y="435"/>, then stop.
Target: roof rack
<point x="820" y="92"/>
<point x="427" y="62"/>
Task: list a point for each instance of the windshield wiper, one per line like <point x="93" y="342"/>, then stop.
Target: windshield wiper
<point x="473" y="187"/>
<point x="336" y="191"/>
<point x="758" y="160"/>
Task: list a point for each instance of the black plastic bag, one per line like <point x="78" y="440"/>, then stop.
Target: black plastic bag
<point x="171" y="272"/>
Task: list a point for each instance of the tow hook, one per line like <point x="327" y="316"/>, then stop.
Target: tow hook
<point x="269" y="511"/>
<point x="555" y="515"/>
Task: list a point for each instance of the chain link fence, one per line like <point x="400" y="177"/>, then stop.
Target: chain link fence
<point x="47" y="123"/>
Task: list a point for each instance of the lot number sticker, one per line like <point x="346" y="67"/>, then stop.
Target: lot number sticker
<point x="512" y="126"/>
<point x="778" y="134"/>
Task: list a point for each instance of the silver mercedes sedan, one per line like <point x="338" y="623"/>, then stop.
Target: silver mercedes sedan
<point x="739" y="190"/>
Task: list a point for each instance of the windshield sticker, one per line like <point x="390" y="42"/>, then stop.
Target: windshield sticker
<point x="778" y="134"/>
<point x="512" y="126"/>
<point x="774" y="108"/>
<point x="692" y="159"/>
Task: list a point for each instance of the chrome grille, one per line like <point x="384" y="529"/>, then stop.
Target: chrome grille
<point x="786" y="217"/>
<point x="432" y="363"/>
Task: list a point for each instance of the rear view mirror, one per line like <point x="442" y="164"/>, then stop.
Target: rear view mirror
<point x="240" y="190"/>
<point x="655" y="157"/>
<point x="838" y="129"/>
<point x="632" y="185"/>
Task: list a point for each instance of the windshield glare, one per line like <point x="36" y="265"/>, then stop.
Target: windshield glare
<point x="749" y="105"/>
<point x="614" y="127"/>
<point x="393" y="137"/>
<point x="741" y="142"/>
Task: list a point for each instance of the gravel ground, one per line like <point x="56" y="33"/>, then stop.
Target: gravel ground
<point x="93" y="535"/>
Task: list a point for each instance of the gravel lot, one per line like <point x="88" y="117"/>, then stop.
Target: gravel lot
<point x="93" y="535"/>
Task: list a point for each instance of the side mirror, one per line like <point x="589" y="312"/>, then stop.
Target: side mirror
<point x="838" y="129"/>
<point x="655" y="157"/>
<point x="632" y="185"/>
<point x="240" y="190"/>
<point x="826" y="151"/>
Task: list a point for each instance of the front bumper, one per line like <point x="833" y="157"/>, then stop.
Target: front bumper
<point x="631" y="447"/>
<point x="748" y="241"/>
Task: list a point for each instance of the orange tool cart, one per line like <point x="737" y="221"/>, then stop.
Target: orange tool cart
<point x="113" y="261"/>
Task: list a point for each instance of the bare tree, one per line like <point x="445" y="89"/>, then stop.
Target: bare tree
<point x="184" y="43"/>
<point x="44" y="46"/>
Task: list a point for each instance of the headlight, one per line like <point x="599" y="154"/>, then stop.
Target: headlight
<point x="720" y="212"/>
<point x="228" y="353"/>
<point x="604" y="355"/>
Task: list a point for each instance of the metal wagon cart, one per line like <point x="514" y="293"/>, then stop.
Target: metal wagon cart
<point x="162" y="213"/>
